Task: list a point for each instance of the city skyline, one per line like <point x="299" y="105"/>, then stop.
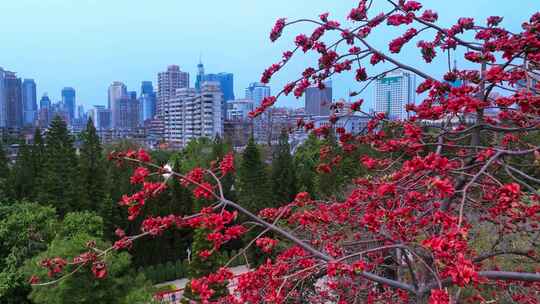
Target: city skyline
<point x="89" y="44"/>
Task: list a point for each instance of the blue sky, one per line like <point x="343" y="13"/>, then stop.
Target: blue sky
<point x="87" y="44"/>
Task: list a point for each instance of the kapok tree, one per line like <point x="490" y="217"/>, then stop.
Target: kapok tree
<point x="449" y="212"/>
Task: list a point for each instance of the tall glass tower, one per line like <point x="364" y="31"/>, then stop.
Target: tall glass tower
<point x="68" y="100"/>
<point x="29" y="102"/>
<point x="147" y="102"/>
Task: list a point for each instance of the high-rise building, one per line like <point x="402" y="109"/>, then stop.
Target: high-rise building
<point x="226" y="84"/>
<point x="45" y="113"/>
<point x="147" y="102"/>
<point x="317" y="101"/>
<point x="239" y="109"/>
<point x="393" y="92"/>
<point x="132" y="95"/>
<point x="101" y="117"/>
<point x="192" y="115"/>
<point x="200" y="76"/>
<point x="117" y="91"/>
<point x="14" y="105"/>
<point x="3" y="100"/>
<point x="45" y="102"/>
<point x="69" y="102"/>
<point x="29" y="97"/>
<point x="147" y="87"/>
<point x="127" y="114"/>
<point x="80" y="112"/>
<point x="58" y="109"/>
<point x="257" y="92"/>
<point x="168" y="82"/>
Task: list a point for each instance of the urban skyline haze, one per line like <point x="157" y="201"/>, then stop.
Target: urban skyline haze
<point x="88" y="44"/>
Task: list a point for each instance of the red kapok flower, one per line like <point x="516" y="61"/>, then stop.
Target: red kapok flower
<point x="99" y="269"/>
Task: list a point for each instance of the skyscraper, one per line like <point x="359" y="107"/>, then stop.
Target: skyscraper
<point x="192" y="115"/>
<point x="318" y="101"/>
<point x="168" y="82"/>
<point x="393" y="92"/>
<point x="226" y="84"/>
<point x="147" y="102"/>
<point x="3" y="100"/>
<point x="127" y="113"/>
<point x="117" y="91"/>
<point x="101" y="117"/>
<point x="147" y="87"/>
<point x="257" y="92"/>
<point x="80" y="113"/>
<point x="29" y="98"/>
<point x="238" y="110"/>
<point x="68" y="100"/>
<point x="200" y="76"/>
<point x="45" y="102"/>
<point x="14" y="105"/>
<point x="45" y="113"/>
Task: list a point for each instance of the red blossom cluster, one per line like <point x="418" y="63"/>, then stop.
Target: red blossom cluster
<point x="461" y="163"/>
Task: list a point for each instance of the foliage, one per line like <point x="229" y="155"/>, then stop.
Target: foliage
<point x="92" y="168"/>
<point x="83" y="288"/>
<point x="4" y="172"/>
<point x="25" y="230"/>
<point x="306" y="159"/>
<point x="283" y="176"/>
<point x="252" y="180"/>
<point x="448" y="199"/>
<point x="60" y="184"/>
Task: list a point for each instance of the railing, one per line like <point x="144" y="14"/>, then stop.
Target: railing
<point x="169" y="297"/>
<point x="175" y="296"/>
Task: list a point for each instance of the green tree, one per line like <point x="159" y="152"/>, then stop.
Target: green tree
<point x="306" y="159"/>
<point x="283" y="172"/>
<point x="200" y="153"/>
<point x="82" y="287"/>
<point x="4" y="172"/>
<point x="23" y="178"/>
<point x="176" y="199"/>
<point x="59" y="184"/>
<point x="331" y="184"/>
<point x="37" y="152"/>
<point x="25" y="230"/>
<point x="92" y="168"/>
<point x="72" y="235"/>
<point x="252" y="180"/>
<point x="201" y="266"/>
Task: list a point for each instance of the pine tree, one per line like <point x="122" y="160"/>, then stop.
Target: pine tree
<point x="92" y="168"/>
<point x="330" y="184"/>
<point x="306" y="159"/>
<point x="200" y="153"/>
<point x="252" y="180"/>
<point x="4" y="173"/>
<point x="59" y="185"/>
<point x="25" y="174"/>
<point x="283" y="172"/>
<point x="22" y="178"/>
<point x="200" y="267"/>
<point x="37" y="154"/>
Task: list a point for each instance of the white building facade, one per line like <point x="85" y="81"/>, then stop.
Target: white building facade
<point x="190" y="115"/>
<point x="168" y="82"/>
<point x="393" y="92"/>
